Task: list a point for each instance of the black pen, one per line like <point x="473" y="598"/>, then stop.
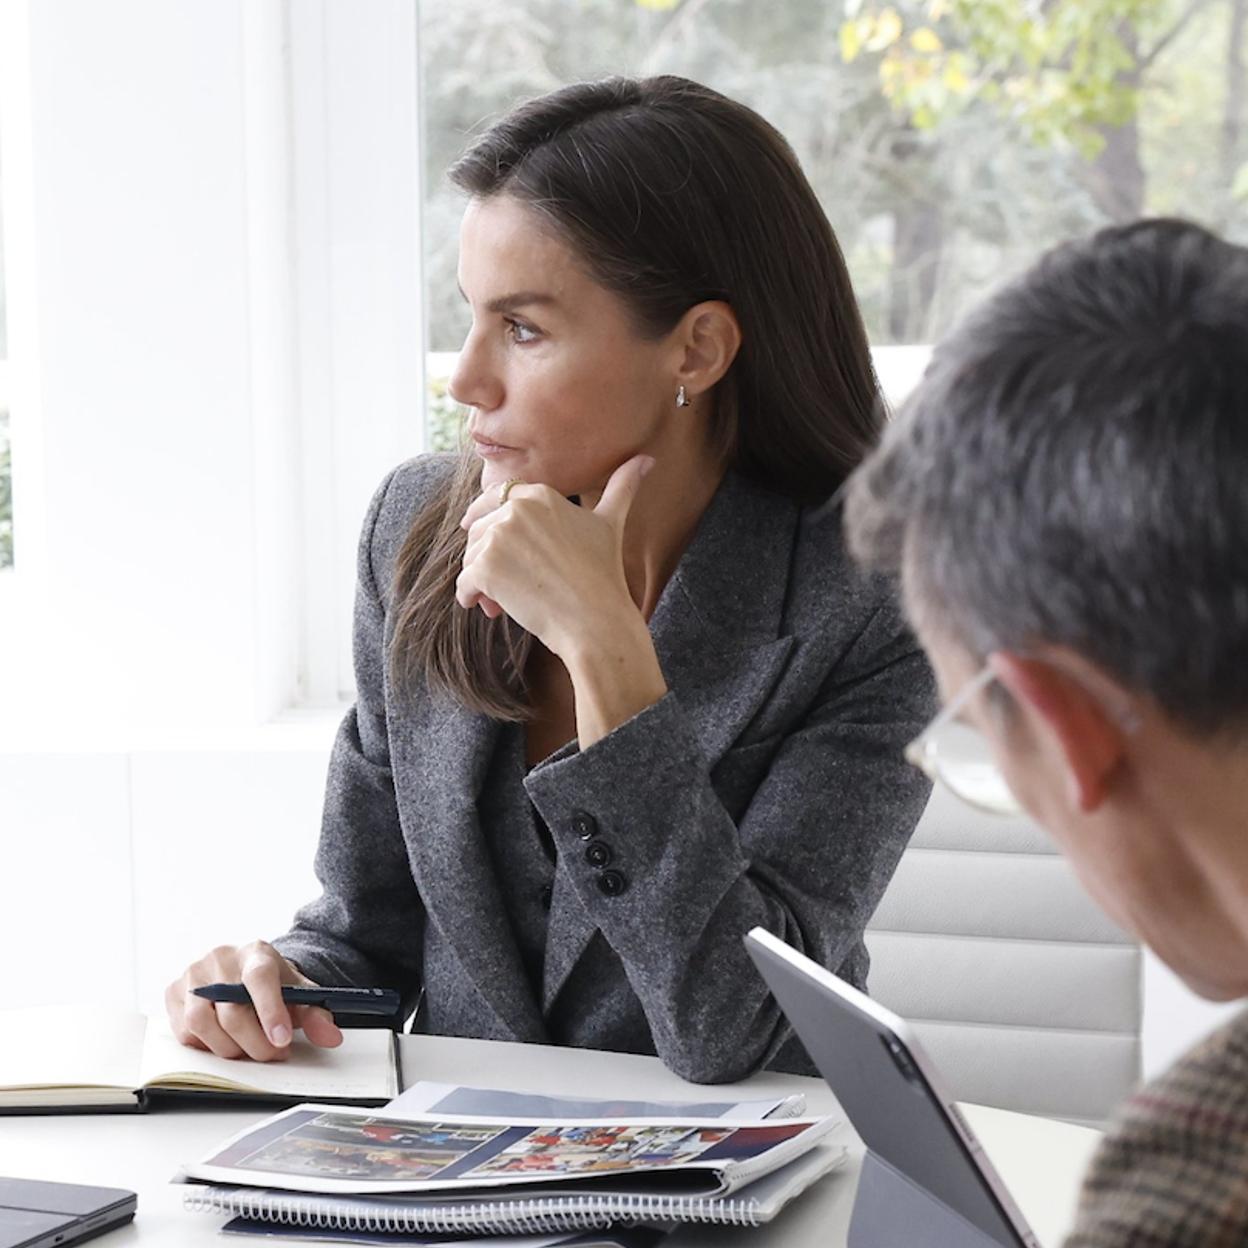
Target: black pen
<point x="338" y="1000"/>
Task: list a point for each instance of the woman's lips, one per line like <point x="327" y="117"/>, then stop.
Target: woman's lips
<point x="488" y="449"/>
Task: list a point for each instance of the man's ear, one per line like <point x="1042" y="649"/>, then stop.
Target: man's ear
<point x="707" y="340"/>
<point x="1089" y="739"/>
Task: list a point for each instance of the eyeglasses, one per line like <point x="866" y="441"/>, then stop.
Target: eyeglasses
<point x="956" y="755"/>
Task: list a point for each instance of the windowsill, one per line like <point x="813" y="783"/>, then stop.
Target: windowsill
<point x="296" y="730"/>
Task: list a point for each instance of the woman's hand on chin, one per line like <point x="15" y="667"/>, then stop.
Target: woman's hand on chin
<point x="557" y="569"/>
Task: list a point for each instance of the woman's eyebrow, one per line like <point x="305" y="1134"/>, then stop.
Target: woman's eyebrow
<point x="518" y="299"/>
<point x="522" y="298"/>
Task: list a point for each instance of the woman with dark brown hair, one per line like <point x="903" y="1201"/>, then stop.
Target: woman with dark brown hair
<point x="621" y="694"/>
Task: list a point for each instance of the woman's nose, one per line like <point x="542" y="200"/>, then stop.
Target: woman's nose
<point x="473" y="382"/>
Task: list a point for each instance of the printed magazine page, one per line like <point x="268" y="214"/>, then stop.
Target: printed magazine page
<point x="429" y="1097"/>
<point x="321" y="1148"/>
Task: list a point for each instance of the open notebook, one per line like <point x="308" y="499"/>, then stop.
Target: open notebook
<point x="74" y="1059"/>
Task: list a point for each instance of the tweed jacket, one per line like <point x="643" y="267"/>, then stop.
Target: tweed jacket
<point x="1172" y="1171"/>
<point x="766" y="787"/>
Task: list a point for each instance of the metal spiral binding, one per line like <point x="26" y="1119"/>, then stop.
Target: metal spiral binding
<point x="532" y="1216"/>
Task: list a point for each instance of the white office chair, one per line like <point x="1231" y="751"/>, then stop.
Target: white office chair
<point x="1023" y="993"/>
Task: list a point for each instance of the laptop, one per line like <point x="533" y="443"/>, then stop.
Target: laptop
<point x="35" y="1214"/>
<point x="926" y="1181"/>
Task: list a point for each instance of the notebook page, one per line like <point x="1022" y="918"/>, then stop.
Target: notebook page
<point x="361" y="1068"/>
<point x="70" y="1046"/>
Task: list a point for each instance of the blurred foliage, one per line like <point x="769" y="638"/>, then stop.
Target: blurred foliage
<point x="445" y="417"/>
<point x="949" y="141"/>
<point x="1063" y="70"/>
<point x="6" y="494"/>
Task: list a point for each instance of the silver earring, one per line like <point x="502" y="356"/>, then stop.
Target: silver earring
<point x="682" y="399"/>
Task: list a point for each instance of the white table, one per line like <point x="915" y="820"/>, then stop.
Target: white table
<point x="1040" y="1160"/>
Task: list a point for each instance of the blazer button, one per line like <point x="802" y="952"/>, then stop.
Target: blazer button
<point x="584" y="825"/>
<point x="612" y="883"/>
<point x="546" y="896"/>
<point x="598" y="854"/>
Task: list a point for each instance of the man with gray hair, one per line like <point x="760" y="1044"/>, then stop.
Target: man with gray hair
<point x="1065" y="501"/>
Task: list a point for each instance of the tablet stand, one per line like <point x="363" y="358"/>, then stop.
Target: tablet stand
<point x="890" y="1210"/>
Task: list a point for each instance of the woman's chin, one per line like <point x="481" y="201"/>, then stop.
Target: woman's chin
<point x="493" y="474"/>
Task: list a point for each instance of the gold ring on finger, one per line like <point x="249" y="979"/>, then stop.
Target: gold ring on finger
<point x="505" y="490"/>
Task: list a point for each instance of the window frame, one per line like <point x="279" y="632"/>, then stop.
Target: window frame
<point x="18" y="388"/>
<point x="356" y="243"/>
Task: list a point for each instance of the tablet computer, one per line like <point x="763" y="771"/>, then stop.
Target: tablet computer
<point x="39" y="1214"/>
<point x="919" y="1145"/>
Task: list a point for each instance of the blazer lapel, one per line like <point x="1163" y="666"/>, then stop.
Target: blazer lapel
<point x="440" y="752"/>
<point x="715" y="630"/>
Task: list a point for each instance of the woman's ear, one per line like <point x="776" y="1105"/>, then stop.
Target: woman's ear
<point x="706" y="340"/>
<point x="1089" y="741"/>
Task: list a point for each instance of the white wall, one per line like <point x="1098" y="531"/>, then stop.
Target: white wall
<point x="146" y="490"/>
<point x="122" y="867"/>
<point x="1174" y="1017"/>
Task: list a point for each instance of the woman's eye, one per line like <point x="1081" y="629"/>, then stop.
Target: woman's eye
<point x="520" y="332"/>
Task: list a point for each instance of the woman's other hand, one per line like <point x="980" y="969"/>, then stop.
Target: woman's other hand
<point x="263" y="1032"/>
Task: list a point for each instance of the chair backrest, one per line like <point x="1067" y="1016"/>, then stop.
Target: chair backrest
<point x="1023" y="993"/>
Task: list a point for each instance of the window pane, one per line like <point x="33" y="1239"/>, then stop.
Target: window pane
<point x="6" y="461"/>
<point x="6" y="493"/>
<point x="949" y="142"/>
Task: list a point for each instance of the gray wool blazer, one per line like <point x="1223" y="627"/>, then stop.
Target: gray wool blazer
<point x="767" y="787"/>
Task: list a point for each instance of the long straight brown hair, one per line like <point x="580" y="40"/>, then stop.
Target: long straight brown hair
<point x="671" y="194"/>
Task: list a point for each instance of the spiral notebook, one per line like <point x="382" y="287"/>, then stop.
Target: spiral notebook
<point x="615" y="1237"/>
<point x="318" y="1166"/>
